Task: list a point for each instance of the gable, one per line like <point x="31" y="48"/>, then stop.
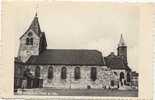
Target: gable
<point x="26" y="35"/>
<point x="35" y="27"/>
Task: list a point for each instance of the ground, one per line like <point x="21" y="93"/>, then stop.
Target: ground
<point x="79" y="92"/>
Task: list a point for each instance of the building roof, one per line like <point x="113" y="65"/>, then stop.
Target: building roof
<point x="134" y="73"/>
<point x="115" y="62"/>
<point x="67" y="57"/>
<point x="121" y="42"/>
<point x="34" y="26"/>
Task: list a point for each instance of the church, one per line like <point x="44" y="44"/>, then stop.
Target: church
<point x="39" y="67"/>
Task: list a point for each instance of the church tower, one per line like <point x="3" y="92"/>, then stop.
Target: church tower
<point x="32" y="42"/>
<point x="122" y="50"/>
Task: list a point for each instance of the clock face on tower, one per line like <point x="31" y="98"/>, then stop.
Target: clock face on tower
<point x="30" y="34"/>
<point x="27" y="53"/>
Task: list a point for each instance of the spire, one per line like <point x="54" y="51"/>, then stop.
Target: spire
<point x="36" y="15"/>
<point x="121" y="42"/>
<point x="35" y="25"/>
<point x="37" y="7"/>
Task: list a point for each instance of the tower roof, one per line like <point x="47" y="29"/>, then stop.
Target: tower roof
<point x="121" y="41"/>
<point x="35" y="25"/>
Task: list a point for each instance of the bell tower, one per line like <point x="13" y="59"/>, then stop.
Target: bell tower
<point x="122" y="50"/>
<point x="32" y="42"/>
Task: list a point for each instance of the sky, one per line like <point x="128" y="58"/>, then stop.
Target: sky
<point x="78" y="25"/>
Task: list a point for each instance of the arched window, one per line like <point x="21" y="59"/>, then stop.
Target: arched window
<point x="121" y="76"/>
<point x="27" y="41"/>
<point x="27" y="73"/>
<point x="30" y="34"/>
<point x="93" y="75"/>
<point x="63" y="73"/>
<point x="50" y="73"/>
<point x="37" y="72"/>
<point x="31" y="41"/>
<point x="128" y="77"/>
<point x="77" y="73"/>
<point x="112" y="83"/>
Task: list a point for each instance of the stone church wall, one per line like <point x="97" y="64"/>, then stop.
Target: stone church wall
<point x="104" y="77"/>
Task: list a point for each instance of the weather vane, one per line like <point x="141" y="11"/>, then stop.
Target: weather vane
<point x="36" y="9"/>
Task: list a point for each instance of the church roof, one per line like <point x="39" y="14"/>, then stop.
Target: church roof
<point x="121" y="41"/>
<point x="115" y="62"/>
<point x="68" y="57"/>
<point x="35" y="25"/>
